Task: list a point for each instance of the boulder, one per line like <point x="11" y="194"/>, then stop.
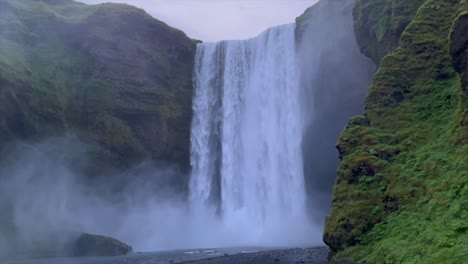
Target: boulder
<point x="87" y="245"/>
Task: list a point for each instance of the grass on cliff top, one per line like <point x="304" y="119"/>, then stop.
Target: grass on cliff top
<point x="68" y="10"/>
<point x="416" y="203"/>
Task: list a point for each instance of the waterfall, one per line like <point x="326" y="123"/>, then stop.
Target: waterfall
<point x="246" y="136"/>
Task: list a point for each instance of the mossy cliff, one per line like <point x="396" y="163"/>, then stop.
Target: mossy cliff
<point x="109" y="74"/>
<point x="379" y="24"/>
<point x="401" y="195"/>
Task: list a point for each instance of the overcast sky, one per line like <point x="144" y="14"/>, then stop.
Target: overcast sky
<point x="213" y="20"/>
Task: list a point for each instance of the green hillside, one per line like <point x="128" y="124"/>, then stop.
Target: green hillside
<point x="401" y="195"/>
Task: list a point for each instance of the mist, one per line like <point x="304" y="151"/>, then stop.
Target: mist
<point x="47" y="197"/>
<point x="335" y="77"/>
<point x="47" y="200"/>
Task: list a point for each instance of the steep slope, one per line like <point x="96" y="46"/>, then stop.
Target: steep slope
<point x="110" y="74"/>
<point x="401" y="193"/>
<point x="379" y="24"/>
<point x="329" y="57"/>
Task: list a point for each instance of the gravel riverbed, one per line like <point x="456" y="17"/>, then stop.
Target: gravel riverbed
<point x="317" y="255"/>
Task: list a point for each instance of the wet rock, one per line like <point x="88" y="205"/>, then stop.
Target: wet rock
<point x="94" y="245"/>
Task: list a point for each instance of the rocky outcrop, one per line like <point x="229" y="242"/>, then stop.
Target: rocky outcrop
<point x="110" y="73"/>
<point x="459" y="47"/>
<point x="379" y="24"/>
<point x="402" y="179"/>
<point x="459" y="53"/>
<point x="87" y="245"/>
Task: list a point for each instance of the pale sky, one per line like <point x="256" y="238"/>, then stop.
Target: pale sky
<point x="214" y="20"/>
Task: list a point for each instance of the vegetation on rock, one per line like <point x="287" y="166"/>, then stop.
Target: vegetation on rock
<point x="111" y="74"/>
<point x="401" y="194"/>
<point x="379" y="24"/>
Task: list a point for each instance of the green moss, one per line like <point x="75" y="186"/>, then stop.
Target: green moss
<point x="109" y="73"/>
<point x="412" y="209"/>
<point x="379" y="24"/>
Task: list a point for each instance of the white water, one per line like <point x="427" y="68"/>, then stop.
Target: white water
<point x="247" y="187"/>
<point x="246" y="139"/>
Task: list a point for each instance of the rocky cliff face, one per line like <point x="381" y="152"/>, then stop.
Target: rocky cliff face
<point x="329" y="57"/>
<point x="459" y="52"/>
<point x="380" y="23"/>
<point x="401" y="189"/>
<point x="110" y="74"/>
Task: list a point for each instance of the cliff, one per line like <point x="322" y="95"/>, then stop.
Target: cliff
<point x="110" y="74"/>
<point x="328" y="57"/>
<point x="401" y="192"/>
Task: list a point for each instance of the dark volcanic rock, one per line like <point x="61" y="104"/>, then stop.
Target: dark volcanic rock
<point x="379" y="24"/>
<point x="459" y="53"/>
<point x="111" y="74"/>
<point x="328" y="50"/>
<point x="459" y="48"/>
<point x="93" y="245"/>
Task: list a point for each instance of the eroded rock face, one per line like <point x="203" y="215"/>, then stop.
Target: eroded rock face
<point x="459" y="53"/>
<point x="327" y="51"/>
<point x="87" y="245"/>
<point x="379" y="24"/>
<point x="110" y="73"/>
<point x="459" y="48"/>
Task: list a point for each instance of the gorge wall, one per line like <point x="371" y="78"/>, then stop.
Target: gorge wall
<point x="120" y="82"/>
<point x="335" y="77"/>
<point x="111" y="75"/>
<point x="88" y="93"/>
<point x="400" y="196"/>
